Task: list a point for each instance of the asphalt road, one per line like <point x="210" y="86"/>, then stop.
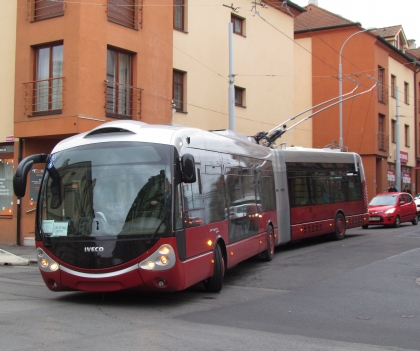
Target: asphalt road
<point x="361" y="293"/>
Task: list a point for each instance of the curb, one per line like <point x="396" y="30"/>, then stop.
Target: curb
<point x="8" y="259"/>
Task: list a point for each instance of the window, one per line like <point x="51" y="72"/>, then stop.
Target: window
<point x="48" y="85"/>
<point x="393" y="85"/>
<point x="393" y="131"/>
<point x="406" y="93"/>
<point x="43" y="9"/>
<point x="118" y="81"/>
<point x="123" y="12"/>
<point x="193" y="200"/>
<point x="382" y="140"/>
<point x="318" y="183"/>
<point x="238" y="25"/>
<point x="178" y="90"/>
<point x="407" y="134"/>
<point x="239" y="96"/>
<point x="179" y="14"/>
<point x="381" y="82"/>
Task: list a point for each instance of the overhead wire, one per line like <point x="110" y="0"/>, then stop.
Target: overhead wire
<point x="242" y="10"/>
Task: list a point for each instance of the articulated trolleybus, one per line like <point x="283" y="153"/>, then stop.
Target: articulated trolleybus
<point x="130" y="205"/>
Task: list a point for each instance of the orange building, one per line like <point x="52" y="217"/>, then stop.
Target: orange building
<point x="80" y="64"/>
<point x="367" y="122"/>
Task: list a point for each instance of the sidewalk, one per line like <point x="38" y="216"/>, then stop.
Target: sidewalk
<point x="15" y="255"/>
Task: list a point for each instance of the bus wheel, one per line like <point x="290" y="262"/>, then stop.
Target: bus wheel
<point x="340" y="227"/>
<point x="215" y="282"/>
<point x="366" y="226"/>
<point x="268" y="254"/>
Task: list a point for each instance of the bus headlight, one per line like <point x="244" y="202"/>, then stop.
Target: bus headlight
<point x="163" y="258"/>
<point x="46" y="263"/>
<point x="54" y="266"/>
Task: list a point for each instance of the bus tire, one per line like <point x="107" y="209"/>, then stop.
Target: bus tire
<point x="215" y="282"/>
<point x="365" y="226"/>
<point x="340" y="227"/>
<point x="268" y="254"/>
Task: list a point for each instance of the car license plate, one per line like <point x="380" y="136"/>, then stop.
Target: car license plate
<point x="374" y="219"/>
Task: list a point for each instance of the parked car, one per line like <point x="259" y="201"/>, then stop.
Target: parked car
<point x="392" y="209"/>
<point x="417" y="202"/>
<point x="417" y="196"/>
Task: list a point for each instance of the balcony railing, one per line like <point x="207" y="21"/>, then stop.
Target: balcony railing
<point x="43" y="97"/>
<point x="122" y="101"/>
<point x="43" y="9"/>
<point x="127" y="13"/>
<point x="383" y="142"/>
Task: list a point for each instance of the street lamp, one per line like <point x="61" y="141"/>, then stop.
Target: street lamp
<point x="340" y="79"/>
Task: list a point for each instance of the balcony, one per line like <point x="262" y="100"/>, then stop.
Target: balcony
<point x="122" y="101"/>
<point x="44" y="97"/>
<point x="128" y="13"/>
<point x="38" y="10"/>
<point x="383" y="141"/>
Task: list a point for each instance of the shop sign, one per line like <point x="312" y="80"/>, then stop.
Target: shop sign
<point x="406" y="177"/>
<point x="35" y="182"/>
<point x="391" y="176"/>
<point x="6" y="149"/>
<point x="10" y="138"/>
<point x="403" y="156"/>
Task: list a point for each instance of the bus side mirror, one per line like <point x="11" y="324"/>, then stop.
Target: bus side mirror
<point x="21" y="175"/>
<point x="188" y="169"/>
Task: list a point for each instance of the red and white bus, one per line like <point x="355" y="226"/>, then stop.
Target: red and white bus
<point x="319" y="191"/>
<point x="160" y="207"/>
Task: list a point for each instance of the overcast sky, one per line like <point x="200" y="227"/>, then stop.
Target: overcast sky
<point x="377" y="13"/>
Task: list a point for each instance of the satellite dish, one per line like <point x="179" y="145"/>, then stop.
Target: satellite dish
<point x="313" y="2"/>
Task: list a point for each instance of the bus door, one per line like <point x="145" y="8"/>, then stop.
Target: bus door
<point x="282" y="196"/>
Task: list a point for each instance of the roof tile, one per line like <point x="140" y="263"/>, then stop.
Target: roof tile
<point x="316" y="17"/>
<point x="388" y="32"/>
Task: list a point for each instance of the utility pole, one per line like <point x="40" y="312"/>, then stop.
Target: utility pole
<point x="397" y="151"/>
<point x="231" y="81"/>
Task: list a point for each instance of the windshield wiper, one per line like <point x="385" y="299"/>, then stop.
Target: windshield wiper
<point x="157" y="229"/>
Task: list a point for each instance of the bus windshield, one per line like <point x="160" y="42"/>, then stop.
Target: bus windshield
<point x="107" y="189"/>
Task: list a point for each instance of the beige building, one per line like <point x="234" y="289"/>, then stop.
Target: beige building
<point x="263" y="65"/>
<point x="401" y="107"/>
<point x="8" y="9"/>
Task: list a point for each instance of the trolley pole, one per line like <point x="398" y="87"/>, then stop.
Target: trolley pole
<point x="397" y="151"/>
<point x="231" y="81"/>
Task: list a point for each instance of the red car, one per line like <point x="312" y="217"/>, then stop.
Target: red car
<point x="392" y="209"/>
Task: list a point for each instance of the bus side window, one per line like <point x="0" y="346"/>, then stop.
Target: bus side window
<point x="298" y="189"/>
<point x="193" y="202"/>
<point x="267" y="195"/>
<point x="354" y="187"/>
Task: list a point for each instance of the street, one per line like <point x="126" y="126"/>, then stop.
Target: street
<point x="360" y="293"/>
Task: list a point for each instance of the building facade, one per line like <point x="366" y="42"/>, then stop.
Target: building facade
<point x="414" y="53"/>
<point x="263" y="57"/>
<point x="80" y="64"/>
<point x="8" y="9"/>
<point x="368" y="122"/>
